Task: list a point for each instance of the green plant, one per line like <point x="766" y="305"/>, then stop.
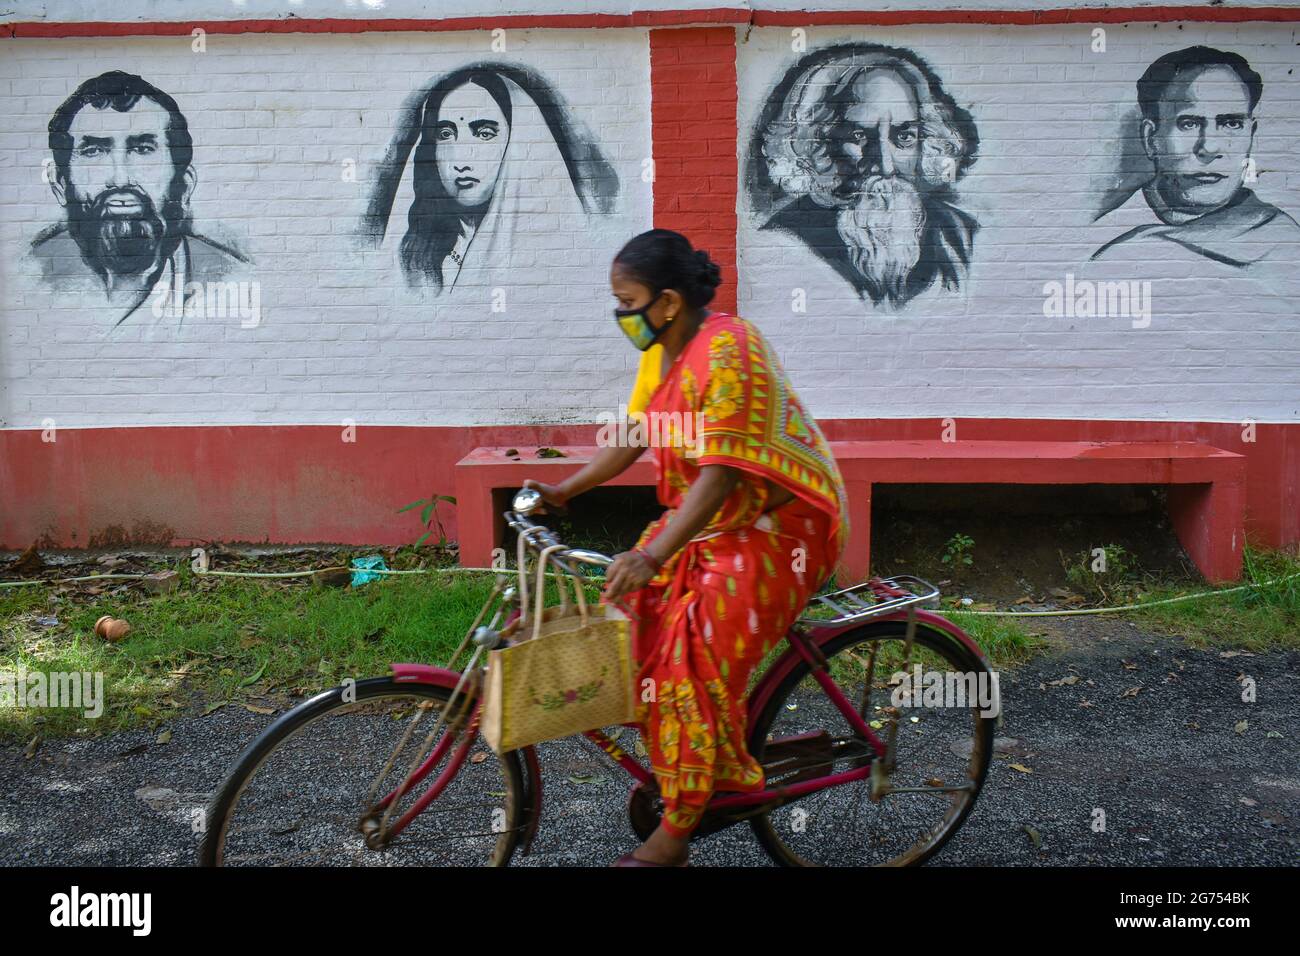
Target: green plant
<point x="1101" y="575"/>
<point x="957" y="550"/>
<point x="429" y="517"/>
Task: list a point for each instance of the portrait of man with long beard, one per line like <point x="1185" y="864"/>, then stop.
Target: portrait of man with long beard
<point x="857" y="153"/>
<point x="123" y="172"/>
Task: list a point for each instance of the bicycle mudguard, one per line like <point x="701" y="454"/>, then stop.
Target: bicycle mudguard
<point x="441" y="677"/>
<point x="820" y="635"/>
<point x="425" y="674"/>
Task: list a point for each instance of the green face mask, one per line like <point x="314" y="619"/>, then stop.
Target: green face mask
<point x="635" y="324"/>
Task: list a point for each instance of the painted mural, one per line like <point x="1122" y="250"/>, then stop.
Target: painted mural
<point x="489" y="145"/>
<point x="123" y="173"/>
<point x="1186" y="166"/>
<point x="857" y="154"/>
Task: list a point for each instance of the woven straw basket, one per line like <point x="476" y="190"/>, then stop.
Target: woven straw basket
<point x="576" y="673"/>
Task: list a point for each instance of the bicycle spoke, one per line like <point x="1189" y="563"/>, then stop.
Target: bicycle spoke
<point x="305" y="800"/>
<point x="931" y="785"/>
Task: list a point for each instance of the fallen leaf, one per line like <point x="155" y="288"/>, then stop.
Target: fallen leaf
<point x="1064" y="681"/>
<point x="1235" y="654"/>
<point x="1019" y="766"/>
<point x="254" y="678"/>
<point x="1129" y="665"/>
<point x="257" y="710"/>
<point x="164" y="738"/>
<point x="1249" y="802"/>
<point x="478" y="758"/>
<point x="1131" y="692"/>
<point x="1273" y="735"/>
<point x="1033" y="836"/>
<point x="30" y="751"/>
<point x="212" y="708"/>
<point x="1087" y="703"/>
<point x="588" y="778"/>
<point x="1241" y="726"/>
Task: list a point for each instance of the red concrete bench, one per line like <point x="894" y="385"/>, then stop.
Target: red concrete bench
<point x="1207" y="486"/>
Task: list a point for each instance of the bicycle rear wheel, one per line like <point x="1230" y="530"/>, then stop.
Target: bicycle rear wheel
<point x="937" y="748"/>
<point x="298" y="793"/>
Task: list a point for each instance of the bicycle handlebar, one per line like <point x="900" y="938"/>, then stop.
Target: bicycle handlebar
<point x="535" y="534"/>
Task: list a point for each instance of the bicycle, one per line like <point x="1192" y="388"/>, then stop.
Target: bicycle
<point x="829" y="757"/>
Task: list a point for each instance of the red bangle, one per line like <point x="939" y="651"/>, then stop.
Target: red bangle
<point x="658" y="565"/>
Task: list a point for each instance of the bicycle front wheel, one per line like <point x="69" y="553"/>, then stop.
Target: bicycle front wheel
<point x="941" y="758"/>
<point x="300" y="791"/>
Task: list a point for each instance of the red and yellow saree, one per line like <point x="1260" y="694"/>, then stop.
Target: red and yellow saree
<point x="722" y="602"/>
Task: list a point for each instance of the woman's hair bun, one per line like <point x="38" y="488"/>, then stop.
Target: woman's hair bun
<point x="663" y="259"/>
<point x="710" y="275"/>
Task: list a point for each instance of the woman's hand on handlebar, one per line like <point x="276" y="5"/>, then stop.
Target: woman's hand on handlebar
<point x="631" y="571"/>
<point x="554" y="498"/>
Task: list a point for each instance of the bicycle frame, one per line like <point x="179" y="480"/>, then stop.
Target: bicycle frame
<point x="805" y="638"/>
<point x="805" y="642"/>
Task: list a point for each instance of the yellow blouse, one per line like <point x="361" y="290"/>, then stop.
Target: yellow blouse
<point x="648" y="376"/>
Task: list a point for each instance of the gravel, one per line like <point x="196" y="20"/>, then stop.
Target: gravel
<point x="1177" y="777"/>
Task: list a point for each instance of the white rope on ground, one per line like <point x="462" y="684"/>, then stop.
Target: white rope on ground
<point x="300" y="574"/>
<point x="1123" y="607"/>
<point x="261" y="574"/>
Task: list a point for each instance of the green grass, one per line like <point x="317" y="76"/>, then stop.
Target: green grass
<point x="239" y="642"/>
<point x="231" y="639"/>
<point x="1263" y="618"/>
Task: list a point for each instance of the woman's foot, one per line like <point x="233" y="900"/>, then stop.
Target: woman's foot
<point x="662" y="849"/>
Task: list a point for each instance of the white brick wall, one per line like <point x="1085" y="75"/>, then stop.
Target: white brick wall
<point x="273" y="119"/>
<point x="1219" y="347"/>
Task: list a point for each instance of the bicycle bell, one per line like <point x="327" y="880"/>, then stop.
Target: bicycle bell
<point x="526" y="501"/>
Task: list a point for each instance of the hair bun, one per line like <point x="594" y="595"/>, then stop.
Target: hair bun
<point x="710" y="275"/>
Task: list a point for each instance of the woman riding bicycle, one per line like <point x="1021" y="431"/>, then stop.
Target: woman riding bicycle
<point x="755" y="524"/>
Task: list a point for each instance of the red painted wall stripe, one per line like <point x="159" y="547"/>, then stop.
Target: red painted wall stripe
<point x="662" y="18"/>
<point x="302" y="483"/>
<point x="693" y="131"/>
<point x="520" y="21"/>
<point x="800" y="18"/>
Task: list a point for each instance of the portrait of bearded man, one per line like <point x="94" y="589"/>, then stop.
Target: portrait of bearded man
<point x="123" y="172"/>
<point x="857" y="153"/>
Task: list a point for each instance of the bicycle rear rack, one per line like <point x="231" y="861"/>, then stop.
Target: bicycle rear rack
<point x="877" y="597"/>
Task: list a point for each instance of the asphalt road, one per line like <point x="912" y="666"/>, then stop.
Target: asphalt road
<point x="1177" y="776"/>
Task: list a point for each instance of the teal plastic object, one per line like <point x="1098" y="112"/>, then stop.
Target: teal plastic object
<point x="364" y="575"/>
